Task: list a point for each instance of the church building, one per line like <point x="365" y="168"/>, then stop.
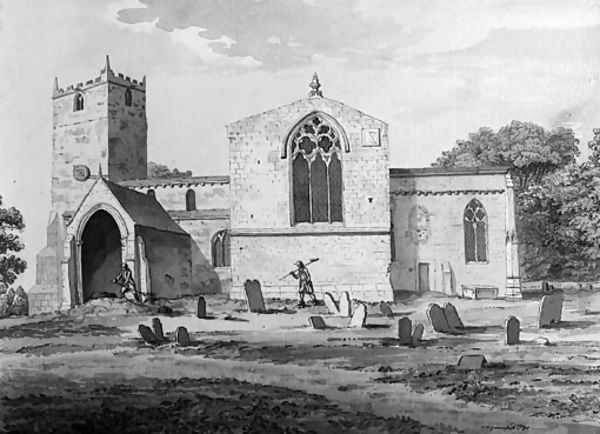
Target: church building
<point x="310" y="179"/>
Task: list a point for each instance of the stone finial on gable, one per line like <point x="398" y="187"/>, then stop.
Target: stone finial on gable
<point x="315" y="86"/>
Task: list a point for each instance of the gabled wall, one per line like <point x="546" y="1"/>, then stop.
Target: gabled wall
<point x="354" y="255"/>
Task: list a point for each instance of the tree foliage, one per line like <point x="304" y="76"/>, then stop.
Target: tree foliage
<point x="562" y="230"/>
<point x="156" y="170"/>
<point x="11" y="224"/>
<point x="530" y="151"/>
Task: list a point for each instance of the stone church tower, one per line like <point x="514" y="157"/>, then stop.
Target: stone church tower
<point x="97" y="124"/>
<point x="99" y="127"/>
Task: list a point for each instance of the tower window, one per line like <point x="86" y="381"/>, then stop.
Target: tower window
<point x="221" y="256"/>
<point x="316" y="171"/>
<point x="475" y="226"/>
<point x="151" y="193"/>
<point x="190" y="200"/>
<point x="128" y="97"/>
<point x="78" y="102"/>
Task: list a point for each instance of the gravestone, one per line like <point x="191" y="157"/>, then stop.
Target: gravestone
<point x="182" y="337"/>
<point x="386" y="310"/>
<point x="254" y="296"/>
<point x="405" y="331"/>
<point x="452" y="317"/>
<point x="201" y="309"/>
<point x="331" y="304"/>
<point x="513" y="330"/>
<point x="417" y="335"/>
<point x="359" y="318"/>
<point x="471" y="361"/>
<point x="317" y="322"/>
<point x="550" y="312"/>
<point x="345" y="305"/>
<point x="147" y="334"/>
<point x="437" y="317"/>
<point x="158" y="329"/>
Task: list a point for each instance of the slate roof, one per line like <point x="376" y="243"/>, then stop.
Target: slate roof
<point x="143" y="209"/>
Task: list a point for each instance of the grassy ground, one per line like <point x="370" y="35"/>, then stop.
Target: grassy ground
<point x="88" y="371"/>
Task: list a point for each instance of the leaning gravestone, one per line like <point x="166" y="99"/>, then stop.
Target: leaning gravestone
<point x="201" y="309"/>
<point x="417" y="335"/>
<point x="158" y="329"/>
<point x="405" y="331"/>
<point x="386" y="310"/>
<point x="331" y="304"/>
<point x="438" y="318"/>
<point x="513" y="330"/>
<point x="471" y="361"/>
<point x="20" y="304"/>
<point x="256" y="302"/>
<point x="182" y="337"/>
<point x="147" y="334"/>
<point x="550" y="310"/>
<point x="317" y="322"/>
<point x="345" y="305"/>
<point x="359" y="318"/>
<point x="452" y="317"/>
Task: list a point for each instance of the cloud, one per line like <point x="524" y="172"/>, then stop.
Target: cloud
<point x="278" y="33"/>
<point x="366" y="33"/>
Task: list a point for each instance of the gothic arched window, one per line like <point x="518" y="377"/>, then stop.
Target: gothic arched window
<point x="151" y="193"/>
<point x="190" y="200"/>
<point x="78" y="102"/>
<point x="316" y="150"/>
<point x="221" y="256"/>
<point x="475" y="226"/>
<point x="128" y="97"/>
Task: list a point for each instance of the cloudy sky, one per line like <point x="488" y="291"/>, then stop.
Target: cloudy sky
<point x="434" y="69"/>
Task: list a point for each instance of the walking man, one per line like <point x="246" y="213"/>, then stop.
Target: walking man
<point x="305" y="285"/>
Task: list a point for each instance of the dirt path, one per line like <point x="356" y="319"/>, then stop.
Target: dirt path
<point x="353" y="389"/>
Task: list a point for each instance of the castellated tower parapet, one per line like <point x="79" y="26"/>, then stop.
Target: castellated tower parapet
<point x="97" y="123"/>
<point x="106" y="75"/>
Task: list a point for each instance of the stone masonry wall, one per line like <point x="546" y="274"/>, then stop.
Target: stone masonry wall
<point x="354" y="255"/>
<point x="260" y="177"/>
<point x="443" y="228"/>
<point x="353" y="263"/>
<point x="78" y="138"/>
<point x="172" y="197"/>
<point x="205" y="278"/>
<point x="128" y="131"/>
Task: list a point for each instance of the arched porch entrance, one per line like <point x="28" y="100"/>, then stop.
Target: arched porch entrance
<point x="101" y="256"/>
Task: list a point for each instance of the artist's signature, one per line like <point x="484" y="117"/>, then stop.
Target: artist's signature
<point x="509" y="427"/>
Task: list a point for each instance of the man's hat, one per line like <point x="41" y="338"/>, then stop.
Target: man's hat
<point x="299" y="263"/>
